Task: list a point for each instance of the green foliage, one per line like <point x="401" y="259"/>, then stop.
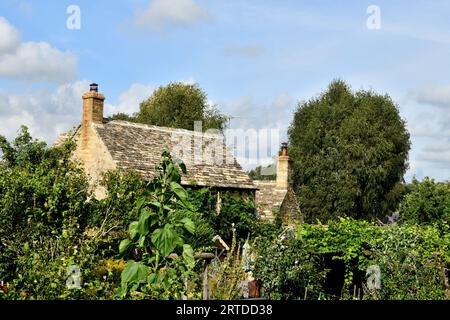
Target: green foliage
<point x="163" y="262"/>
<point x="49" y="223"/>
<point x="428" y="203"/>
<point x="330" y="261"/>
<point x="411" y="258"/>
<point x="123" y="117"/>
<point x="41" y="193"/>
<point x="350" y="152"/>
<point x="291" y="272"/>
<point x="235" y="212"/>
<point x="202" y="204"/>
<point x="178" y="105"/>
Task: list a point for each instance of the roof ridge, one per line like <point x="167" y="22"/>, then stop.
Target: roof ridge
<point x="163" y="129"/>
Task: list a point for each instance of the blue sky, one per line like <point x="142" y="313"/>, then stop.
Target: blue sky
<point x="255" y="59"/>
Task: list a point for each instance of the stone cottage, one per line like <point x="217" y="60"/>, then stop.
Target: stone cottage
<point x="103" y="144"/>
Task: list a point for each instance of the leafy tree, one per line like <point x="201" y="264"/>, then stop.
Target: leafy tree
<point x="350" y="153"/>
<point x="178" y="105"/>
<point x="50" y="221"/>
<point x="428" y="203"/>
<point x="42" y="206"/>
<point x="123" y="116"/>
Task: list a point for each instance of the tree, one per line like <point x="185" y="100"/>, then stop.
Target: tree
<point x="42" y="193"/>
<point x="123" y="116"/>
<point x="350" y="152"/>
<point x="428" y="203"/>
<point x="178" y="105"/>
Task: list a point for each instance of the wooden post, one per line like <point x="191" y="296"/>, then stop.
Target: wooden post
<point x="206" y="287"/>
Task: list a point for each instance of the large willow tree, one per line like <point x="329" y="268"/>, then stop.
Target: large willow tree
<point x="350" y="152"/>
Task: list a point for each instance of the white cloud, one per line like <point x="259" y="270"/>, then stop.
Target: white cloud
<point x="33" y="61"/>
<point x="9" y="37"/>
<point x="429" y="127"/>
<point x="49" y="113"/>
<point x="162" y="15"/>
<point x="423" y="129"/>
<point x="438" y="152"/>
<point x="284" y="100"/>
<point x="268" y="121"/>
<point x="130" y="99"/>
<point x="435" y="95"/>
<point x="46" y="114"/>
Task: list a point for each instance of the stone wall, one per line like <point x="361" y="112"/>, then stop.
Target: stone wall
<point x="93" y="155"/>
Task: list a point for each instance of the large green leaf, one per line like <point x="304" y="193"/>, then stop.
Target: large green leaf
<point x="188" y="256"/>
<point x="188" y="225"/>
<point x="134" y="273"/>
<point x="151" y="279"/>
<point x="132" y="229"/>
<point x="140" y="202"/>
<point x="124" y="247"/>
<point x="181" y="194"/>
<point x="141" y="241"/>
<point x="179" y="191"/>
<point x="143" y="226"/>
<point x="173" y="173"/>
<point x="166" y="239"/>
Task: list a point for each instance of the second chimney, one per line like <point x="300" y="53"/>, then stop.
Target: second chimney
<point x="283" y="169"/>
<point x="92" y="106"/>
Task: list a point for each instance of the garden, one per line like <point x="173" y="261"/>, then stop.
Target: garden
<point x="149" y="240"/>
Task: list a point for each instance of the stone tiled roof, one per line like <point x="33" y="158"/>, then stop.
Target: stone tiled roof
<point x="268" y="198"/>
<point x="139" y="147"/>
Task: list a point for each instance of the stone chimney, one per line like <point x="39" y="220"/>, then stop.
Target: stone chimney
<point x="283" y="169"/>
<point x="92" y="106"/>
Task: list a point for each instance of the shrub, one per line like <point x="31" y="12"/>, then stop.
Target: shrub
<point x="331" y="261"/>
<point x="42" y="193"/>
<point x="412" y="259"/>
<point x="428" y="203"/>
<point x="288" y="271"/>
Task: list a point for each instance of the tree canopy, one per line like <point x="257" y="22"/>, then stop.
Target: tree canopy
<point x="350" y="152"/>
<point x="178" y="105"/>
<point x="428" y="203"/>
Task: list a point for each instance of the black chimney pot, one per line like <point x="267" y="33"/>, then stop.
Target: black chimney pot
<point x="93" y="87"/>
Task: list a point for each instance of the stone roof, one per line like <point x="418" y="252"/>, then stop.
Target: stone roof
<point x="139" y="147"/>
<point x="268" y="198"/>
